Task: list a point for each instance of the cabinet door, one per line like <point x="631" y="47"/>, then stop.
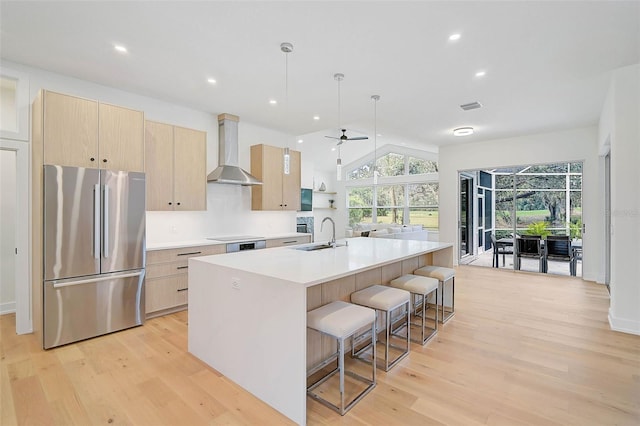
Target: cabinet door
<point x="70" y="131"/>
<point x="165" y="293"/>
<point x="158" y="147"/>
<point x="291" y="183"/>
<point x="121" y="138"/>
<point x="190" y="172"/>
<point x="267" y="165"/>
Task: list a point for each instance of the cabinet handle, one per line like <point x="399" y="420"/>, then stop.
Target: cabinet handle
<point x="104" y="160"/>
<point x="182" y="289"/>
<point x="92" y="159"/>
<point x="170" y="203"/>
<point x="187" y="254"/>
<point x="178" y="203"/>
<point x="182" y="267"/>
<point x="290" y="242"/>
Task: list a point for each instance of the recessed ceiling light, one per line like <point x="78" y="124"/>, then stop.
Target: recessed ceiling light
<point x="333" y="148"/>
<point x="120" y="48"/>
<point x="454" y="37"/>
<point x="463" y="131"/>
<point x="211" y="80"/>
<point x="316" y="117"/>
<point x="379" y="135"/>
<point x="273" y="101"/>
<point x="300" y="141"/>
<point x="481" y="73"/>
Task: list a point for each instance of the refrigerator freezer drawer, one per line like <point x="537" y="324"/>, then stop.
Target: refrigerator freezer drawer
<point x="77" y="309"/>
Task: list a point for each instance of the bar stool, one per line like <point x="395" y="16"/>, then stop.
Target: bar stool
<point x="420" y="288"/>
<point x="341" y="320"/>
<point x="386" y="299"/>
<point x="443" y="275"/>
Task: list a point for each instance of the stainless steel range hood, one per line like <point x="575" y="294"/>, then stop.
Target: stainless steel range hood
<point x="228" y="170"/>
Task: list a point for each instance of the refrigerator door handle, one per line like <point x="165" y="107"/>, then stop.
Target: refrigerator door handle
<point x="95" y="280"/>
<point x="96" y="221"/>
<point x="105" y="222"/>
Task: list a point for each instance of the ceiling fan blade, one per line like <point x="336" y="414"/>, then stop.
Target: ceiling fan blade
<point x="332" y="137"/>
<point x="358" y="138"/>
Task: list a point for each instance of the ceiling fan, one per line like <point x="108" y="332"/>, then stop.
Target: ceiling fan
<point x="341" y="139"/>
<point x="344" y="137"/>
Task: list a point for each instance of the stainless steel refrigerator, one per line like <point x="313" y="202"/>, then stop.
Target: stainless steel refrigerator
<point x="94" y="252"/>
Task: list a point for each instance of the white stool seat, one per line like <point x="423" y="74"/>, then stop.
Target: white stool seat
<point x="420" y="288"/>
<point x="387" y="299"/>
<point x="340" y="319"/>
<point x="381" y="297"/>
<point x="438" y="272"/>
<point x="415" y="284"/>
<point x="443" y="275"/>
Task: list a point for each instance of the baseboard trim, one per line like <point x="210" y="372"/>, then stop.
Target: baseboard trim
<point x="7" y="308"/>
<point x="623" y="325"/>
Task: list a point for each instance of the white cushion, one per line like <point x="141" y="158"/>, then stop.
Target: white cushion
<point x="406" y="228"/>
<point x="340" y="319"/>
<point x="415" y="284"/>
<point x="438" y="272"/>
<point x="395" y="229"/>
<point x="380" y="233"/>
<point x="416" y="228"/>
<point x="381" y="297"/>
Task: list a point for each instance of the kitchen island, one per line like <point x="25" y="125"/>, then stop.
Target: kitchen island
<point x="247" y="311"/>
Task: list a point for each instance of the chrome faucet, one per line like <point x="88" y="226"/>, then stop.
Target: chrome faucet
<point x="333" y="235"/>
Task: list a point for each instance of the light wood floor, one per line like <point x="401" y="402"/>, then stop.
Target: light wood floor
<point x="522" y="349"/>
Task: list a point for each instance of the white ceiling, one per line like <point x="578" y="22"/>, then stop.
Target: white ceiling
<point x="547" y="63"/>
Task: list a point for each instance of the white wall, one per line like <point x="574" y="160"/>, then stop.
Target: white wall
<point x="7" y="231"/>
<point x="619" y="131"/>
<point x="570" y="145"/>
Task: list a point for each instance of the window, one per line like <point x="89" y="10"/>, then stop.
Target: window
<point x="407" y="191"/>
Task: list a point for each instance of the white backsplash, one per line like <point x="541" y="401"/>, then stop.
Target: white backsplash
<point x="228" y="213"/>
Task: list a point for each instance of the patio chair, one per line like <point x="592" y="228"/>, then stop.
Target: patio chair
<point x="530" y="246"/>
<point x="558" y="248"/>
<point x="499" y="249"/>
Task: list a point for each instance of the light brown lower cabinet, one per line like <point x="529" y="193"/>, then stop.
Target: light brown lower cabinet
<point x="167" y="280"/>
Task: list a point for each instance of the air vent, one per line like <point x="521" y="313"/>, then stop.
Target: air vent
<point x="472" y="105"/>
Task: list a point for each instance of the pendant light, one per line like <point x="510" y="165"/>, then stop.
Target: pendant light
<point x="339" y="77"/>
<point x="286" y="48"/>
<point x="375" y="99"/>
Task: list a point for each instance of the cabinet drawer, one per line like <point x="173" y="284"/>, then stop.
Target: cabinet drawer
<point x="165" y="293"/>
<point x="279" y="242"/>
<point x="170" y="255"/>
<point x="167" y="269"/>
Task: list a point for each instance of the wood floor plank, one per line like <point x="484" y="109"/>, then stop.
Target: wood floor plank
<point x="522" y="349"/>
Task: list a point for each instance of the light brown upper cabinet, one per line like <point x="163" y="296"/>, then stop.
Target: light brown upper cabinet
<point x="278" y="190"/>
<point x="176" y="160"/>
<point x="85" y="133"/>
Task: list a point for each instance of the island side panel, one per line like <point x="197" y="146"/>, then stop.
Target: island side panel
<point x="254" y="332"/>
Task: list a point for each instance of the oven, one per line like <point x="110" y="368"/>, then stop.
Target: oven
<point x="247" y="245"/>
<point x="237" y="243"/>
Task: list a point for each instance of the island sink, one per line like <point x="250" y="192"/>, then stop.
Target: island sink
<point x="313" y="247"/>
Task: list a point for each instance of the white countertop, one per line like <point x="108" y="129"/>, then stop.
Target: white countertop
<point x="206" y="242"/>
<point x="313" y="267"/>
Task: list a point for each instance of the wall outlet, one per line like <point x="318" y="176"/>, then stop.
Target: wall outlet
<point x="235" y="283"/>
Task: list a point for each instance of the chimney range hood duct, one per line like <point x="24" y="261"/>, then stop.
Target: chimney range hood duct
<point x="228" y="170"/>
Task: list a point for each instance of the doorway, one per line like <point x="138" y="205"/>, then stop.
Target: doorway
<point x="15" y="285"/>
<point x="465" y="220"/>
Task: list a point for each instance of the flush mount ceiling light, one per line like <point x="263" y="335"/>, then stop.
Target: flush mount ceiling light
<point x="481" y="73"/>
<point x="463" y="131"/>
<point x="120" y="48"/>
<point x="315" y="117"/>
<point x="454" y="37"/>
<point x="300" y="140"/>
<point x="273" y="102"/>
<point x="211" y="80"/>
